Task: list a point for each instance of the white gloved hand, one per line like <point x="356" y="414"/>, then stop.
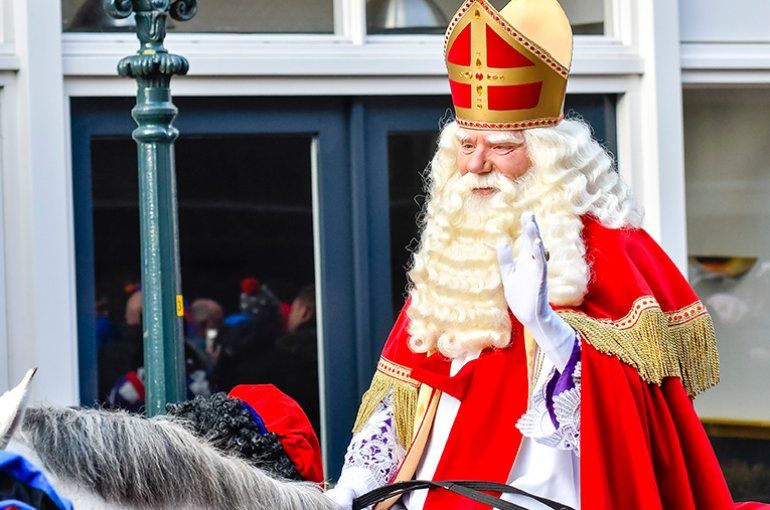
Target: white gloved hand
<point x="526" y="291"/>
<point x="342" y="496"/>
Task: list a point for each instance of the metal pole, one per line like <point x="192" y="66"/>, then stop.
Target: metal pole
<point x="162" y="308"/>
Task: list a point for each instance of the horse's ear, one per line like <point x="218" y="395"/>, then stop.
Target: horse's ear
<point x="12" y="405"/>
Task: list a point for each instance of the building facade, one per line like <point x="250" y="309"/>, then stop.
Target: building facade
<point x="316" y="117"/>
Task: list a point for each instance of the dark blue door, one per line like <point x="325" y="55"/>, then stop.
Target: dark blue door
<point x="235" y="128"/>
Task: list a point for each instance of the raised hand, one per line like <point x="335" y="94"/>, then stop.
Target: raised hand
<point x="525" y="283"/>
<point x="525" y="279"/>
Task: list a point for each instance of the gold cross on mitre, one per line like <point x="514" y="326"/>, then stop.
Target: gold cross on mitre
<point x="500" y="77"/>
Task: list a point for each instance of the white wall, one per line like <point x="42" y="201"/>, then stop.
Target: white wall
<point x="37" y="261"/>
<point x="744" y="21"/>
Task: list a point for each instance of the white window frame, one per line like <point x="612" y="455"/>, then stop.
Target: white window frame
<point x="38" y="315"/>
<point x="725" y="65"/>
<point x="9" y="65"/>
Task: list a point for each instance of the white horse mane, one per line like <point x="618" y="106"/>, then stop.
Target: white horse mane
<point x="151" y="463"/>
<point x="147" y="463"/>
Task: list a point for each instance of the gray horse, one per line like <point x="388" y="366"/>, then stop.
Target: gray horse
<point x="115" y="460"/>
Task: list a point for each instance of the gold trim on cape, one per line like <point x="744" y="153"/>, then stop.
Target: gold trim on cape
<point x="394" y="379"/>
<point x="657" y="344"/>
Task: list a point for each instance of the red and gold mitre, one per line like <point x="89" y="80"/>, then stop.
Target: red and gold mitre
<point x="508" y="69"/>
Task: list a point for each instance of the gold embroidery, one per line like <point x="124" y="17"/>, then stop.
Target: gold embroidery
<point x="659" y="345"/>
<point x="397" y="371"/>
<point x="394" y="379"/>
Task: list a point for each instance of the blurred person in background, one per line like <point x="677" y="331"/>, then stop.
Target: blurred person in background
<point x="106" y="330"/>
<point x="204" y="322"/>
<point x="121" y="370"/>
<point x="247" y="336"/>
<point x="292" y="365"/>
<point x="125" y="354"/>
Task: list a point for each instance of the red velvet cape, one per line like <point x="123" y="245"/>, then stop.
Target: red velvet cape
<point x="647" y="346"/>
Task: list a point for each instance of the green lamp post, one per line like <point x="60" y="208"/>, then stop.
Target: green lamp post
<point x="152" y="67"/>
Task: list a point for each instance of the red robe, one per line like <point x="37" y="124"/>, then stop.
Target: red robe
<point x="648" y="345"/>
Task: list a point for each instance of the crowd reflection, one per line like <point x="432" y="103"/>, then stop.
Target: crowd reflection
<point x="267" y="340"/>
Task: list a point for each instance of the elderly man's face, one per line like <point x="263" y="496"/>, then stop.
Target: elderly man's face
<point x="482" y="152"/>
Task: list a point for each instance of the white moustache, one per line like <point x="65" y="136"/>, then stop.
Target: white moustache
<point x="469" y="182"/>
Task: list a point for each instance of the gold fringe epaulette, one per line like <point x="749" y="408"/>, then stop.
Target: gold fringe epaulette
<point x="394" y="379"/>
<point x="658" y="344"/>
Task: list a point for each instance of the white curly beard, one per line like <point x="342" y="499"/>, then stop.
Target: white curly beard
<point x="458" y="303"/>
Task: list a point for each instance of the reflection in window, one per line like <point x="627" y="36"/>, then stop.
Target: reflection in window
<point x="727" y="184"/>
<point x="246" y="247"/>
<point x="405" y="17"/>
<point x="728" y="179"/>
<point x="232" y="16"/>
<point x="433" y="16"/>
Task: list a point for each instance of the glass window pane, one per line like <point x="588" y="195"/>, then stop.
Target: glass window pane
<point x="728" y="180"/>
<point x="245" y="210"/>
<point x="727" y="170"/>
<point x="408" y="154"/>
<point x="433" y="16"/>
<point x="232" y="16"/>
<point x="743" y="453"/>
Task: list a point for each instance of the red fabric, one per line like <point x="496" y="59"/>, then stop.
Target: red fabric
<point x="514" y="97"/>
<point x="653" y="433"/>
<point x="137" y="383"/>
<point x="484" y="440"/>
<point x="460" y="52"/>
<point x="285" y="311"/>
<point x="461" y="94"/>
<point x="397" y="347"/>
<point x="625" y="265"/>
<point x="500" y="54"/>
<point x="250" y="285"/>
<point x="434" y="372"/>
<point x="285" y="418"/>
<point x="642" y="445"/>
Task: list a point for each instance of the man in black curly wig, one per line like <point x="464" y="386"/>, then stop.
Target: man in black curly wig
<point x="260" y="424"/>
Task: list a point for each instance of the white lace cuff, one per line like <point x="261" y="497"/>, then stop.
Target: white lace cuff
<point x="538" y="422"/>
<point x="374" y="454"/>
